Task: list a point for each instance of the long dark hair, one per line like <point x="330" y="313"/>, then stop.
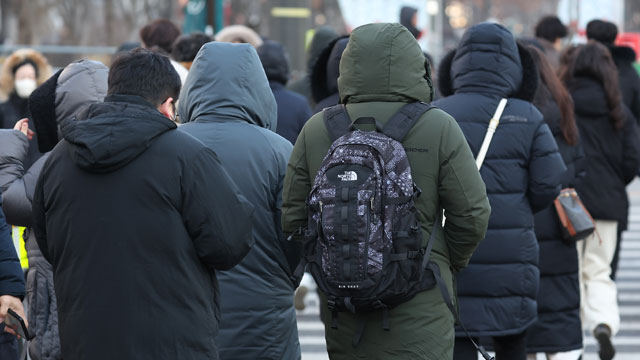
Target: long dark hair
<point x="594" y="60"/>
<point x="559" y="94"/>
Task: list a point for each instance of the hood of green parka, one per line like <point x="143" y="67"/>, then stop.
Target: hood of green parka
<point x="227" y="81"/>
<point x="383" y="62"/>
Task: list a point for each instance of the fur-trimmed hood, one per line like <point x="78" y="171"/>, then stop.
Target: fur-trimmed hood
<point x="18" y="56"/>
<point x="489" y="60"/>
<point x="239" y="33"/>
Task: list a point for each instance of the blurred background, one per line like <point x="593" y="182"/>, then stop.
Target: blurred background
<point x="69" y="29"/>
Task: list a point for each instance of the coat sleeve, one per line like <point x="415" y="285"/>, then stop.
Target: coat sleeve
<point x="39" y="222"/>
<point x="17" y="185"/>
<point x="631" y="149"/>
<point x="296" y="189"/>
<point x="218" y="218"/>
<point x="11" y="276"/>
<point x="545" y="169"/>
<point x="462" y="195"/>
<point x="290" y="249"/>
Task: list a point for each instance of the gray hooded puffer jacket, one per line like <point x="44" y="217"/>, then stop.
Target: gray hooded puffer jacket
<point x="227" y="104"/>
<point x="79" y="84"/>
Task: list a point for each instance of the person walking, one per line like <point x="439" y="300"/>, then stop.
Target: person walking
<point x="61" y="97"/>
<point x="325" y="73"/>
<point x="22" y="72"/>
<point x="606" y="32"/>
<point x="322" y="36"/>
<point x="293" y="108"/>
<point x="136" y="218"/>
<point x="522" y="169"/>
<point x="609" y="136"/>
<point x="376" y="83"/>
<point x="558" y="330"/>
<point x="228" y="105"/>
<point x="12" y="289"/>
<point x="549" y="34"/>
<point x="159" y="35"/>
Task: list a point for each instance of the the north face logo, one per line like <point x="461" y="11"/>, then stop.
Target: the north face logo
<point x="348" y="176"/>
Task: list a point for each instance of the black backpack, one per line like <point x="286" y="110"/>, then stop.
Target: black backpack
<point x="363" y="240"/>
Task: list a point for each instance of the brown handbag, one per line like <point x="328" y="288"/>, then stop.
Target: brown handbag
<point x="576" y="221"/>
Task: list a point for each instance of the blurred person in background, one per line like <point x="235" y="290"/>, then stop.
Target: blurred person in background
<point x="159" y="35"/>
<point x="228" y="105"/>
<point x="325" y="73"/>
<point x="409" y="19"/>
<point x="605" y="32"/>
<point x="59" y="98"/>
<point x="550" y="32"/>
<point x="124" y="48"/>
<point x="522" y="175"/>
<point x="21" y="73"/>
<point x="609" y="136"/>
<point x="12" y="289"/>
<point x="239" y="34"/>
<point x="293" y="108"/>
<point x="322" y="37"/>
<point x="186" y="47"/>
<point x="558" y="331"/>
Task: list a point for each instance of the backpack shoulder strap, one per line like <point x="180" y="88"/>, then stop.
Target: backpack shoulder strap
<point x="401" y="122"/>
<point x="337" y="121"/>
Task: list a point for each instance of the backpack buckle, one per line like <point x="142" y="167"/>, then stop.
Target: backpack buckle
<point x="331" y="305"/>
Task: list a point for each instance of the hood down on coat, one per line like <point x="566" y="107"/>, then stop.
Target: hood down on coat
<point x="227" y="82"/>
<point x="488" y="60"/>
<point x="43" y="69"/>
<point x="325" y="72"/>
<point x="274" y="61"/>
<point x="63" y="96"/>
<point x="104" y="137"/>
<point x="389" y="74"/>
<point x="239" y="34"/>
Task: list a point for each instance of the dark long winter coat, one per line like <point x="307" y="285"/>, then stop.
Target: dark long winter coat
<point x="227" y="104"/>
<point x="612" y="156"/>
<point x="136" y="218"/>
<point x="628" y="77"/>
<point x="498" y="289"/>
<point x="65" y="94"/>
<point x="293" y="108"/>
<point x="558" y="328"/>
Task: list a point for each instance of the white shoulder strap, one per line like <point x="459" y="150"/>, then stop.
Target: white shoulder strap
<point x="493" y="125"/>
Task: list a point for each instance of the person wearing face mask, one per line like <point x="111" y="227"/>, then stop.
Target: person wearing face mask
<point x="21" y="73"/>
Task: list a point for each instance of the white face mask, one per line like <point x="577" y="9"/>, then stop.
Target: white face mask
<point x="24" y="87"/>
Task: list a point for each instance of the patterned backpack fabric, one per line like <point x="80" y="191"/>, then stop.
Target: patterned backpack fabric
<point x="364" y="243"/>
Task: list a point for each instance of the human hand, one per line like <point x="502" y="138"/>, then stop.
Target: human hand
<point x="11" y="302"/>
<point x="23" y="126"/>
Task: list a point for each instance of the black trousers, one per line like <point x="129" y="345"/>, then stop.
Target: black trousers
<point x="511" y="347"/>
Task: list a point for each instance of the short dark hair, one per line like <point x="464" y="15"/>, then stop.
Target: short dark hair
<point x="186" y="47"/>
<point x="551" y="28"/>
<point x="602" y="31"/>
<point x="161" y="33"/>
<point x="146" y="74"/>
